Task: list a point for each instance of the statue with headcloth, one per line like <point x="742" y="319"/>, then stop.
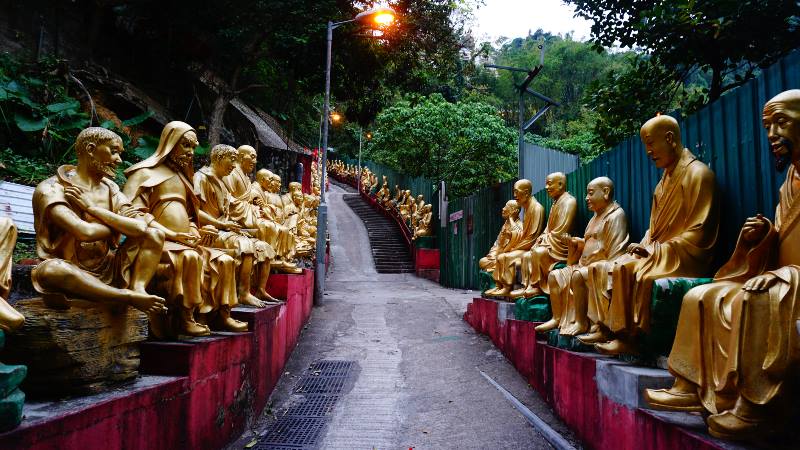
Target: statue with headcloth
<point x="252" y="256"/>
<point x="250" y="217"/>
<point x="196" y="279"/>
<point x="511" y="257"/>
<point x="684" y="222"/>
<point x="80" y="217"/>
<point x="551" y="246"/>
<point x="606" y="238"/>
<point x="737" y="346"/>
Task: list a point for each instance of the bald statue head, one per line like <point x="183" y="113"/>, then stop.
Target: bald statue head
<point x="555" y="184"/>
<point x="781" y="119"/>
<point x="246" y="158"/>
<point x="511" y="209"/>
<point x="661" y="137"/>
<point x="599" y="194"/>
<point x="263" y="178"/>
<point x="522" y="191"/>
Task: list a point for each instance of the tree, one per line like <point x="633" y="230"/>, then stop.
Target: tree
<point x="728" y="39"/>
<point x="466" y="144"/>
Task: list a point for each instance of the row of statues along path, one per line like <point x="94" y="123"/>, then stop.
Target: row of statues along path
<point x="167" y="255"/>
<point x="737" y="348"/>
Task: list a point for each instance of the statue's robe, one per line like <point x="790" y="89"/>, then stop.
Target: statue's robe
<point x="10" y="319"/>
<point x="243" y="211"/>
<point x="159" y="189"/>
<point x="552" y="245"/>
<point x="488" y="262"/>
<point x="606" y="237"/>
<point x="215" y="199"/>
<point x="106" y="259"/>
<point x="684" y="222"/>
<point x="509" y="258"/>
<point x="733" y="342"/>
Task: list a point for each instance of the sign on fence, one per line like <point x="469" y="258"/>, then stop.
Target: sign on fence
<point x="456" y="215"/>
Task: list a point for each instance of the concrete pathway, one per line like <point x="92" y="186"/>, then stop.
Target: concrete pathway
<point x="418" y="383"/>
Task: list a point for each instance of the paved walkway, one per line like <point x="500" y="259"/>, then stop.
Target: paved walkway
<point x="418" y="383"/>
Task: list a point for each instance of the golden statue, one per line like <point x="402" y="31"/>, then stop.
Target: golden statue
<point x="606" y="238"/>
<point x="511" y="257"/>
<point x="551" y="246"/>
<point x="10" y="319"/>
<point x="80" y="216"/>
<point x="253" y="256"/>
<point x="195" y="279"/>
<point x="384" y="195"/>
<point x="423" y="227"/>
<point x="251" y="217"/>
<point x="511" y="228"/>
<point x="264" y="194"/>
<point x="296" y="218"/>
<point x="736" y="346"/>
<point x="405" y="206"/>
<point x="684" y="221"/>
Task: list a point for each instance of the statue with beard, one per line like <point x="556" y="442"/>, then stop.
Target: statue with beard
<point x="196" y="279"/>
<point x="737" y="347"/>
<point x="80" y="216"/>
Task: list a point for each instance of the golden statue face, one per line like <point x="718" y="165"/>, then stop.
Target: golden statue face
<point x="511" y="209"/>
<point x="522" y="192"/>
<point x="247" y="160"/>
<point x="596" y="197"/>
<point x="660" y="146"/>
<point x="105" y="156"/>
<point x="554" y="186"/>
<point x="224" y="166"/>
<point x="783" y="132"/>
<point x="183" y="153"/>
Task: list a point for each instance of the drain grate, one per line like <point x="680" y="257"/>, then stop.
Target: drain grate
<point x="293" y="430"/>
<point x="331" y="368"/>
<point x="320" y="385"/>
<point x="314" y="406"/>
<point x="261" y="446"/>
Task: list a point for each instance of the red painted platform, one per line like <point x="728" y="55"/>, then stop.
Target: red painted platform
<point x="198" y="393"/>
<point x="568" y="381"/>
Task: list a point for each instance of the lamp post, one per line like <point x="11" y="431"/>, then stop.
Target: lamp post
<point x="379" y="17"/>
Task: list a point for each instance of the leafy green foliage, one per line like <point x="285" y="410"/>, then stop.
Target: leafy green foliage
<point x="466" y="143"/>
<point x="717" y="45"/>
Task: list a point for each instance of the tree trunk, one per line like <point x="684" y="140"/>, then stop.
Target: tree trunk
<point x="716" y="82"/>
<point x="215" y="119"/>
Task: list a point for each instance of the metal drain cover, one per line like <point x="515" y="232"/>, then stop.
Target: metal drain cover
<point x="302" y="424"/>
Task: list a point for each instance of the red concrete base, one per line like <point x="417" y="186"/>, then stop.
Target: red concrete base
<point x="199" y="393"/>
<point x="568" y="382"/>
<point x="428" y="274"/>
<point x="426" y="258"/>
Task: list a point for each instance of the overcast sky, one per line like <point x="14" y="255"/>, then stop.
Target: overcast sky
<point x="513" y="18"/>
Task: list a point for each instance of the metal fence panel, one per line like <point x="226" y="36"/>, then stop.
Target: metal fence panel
<point x="538" y="162"/>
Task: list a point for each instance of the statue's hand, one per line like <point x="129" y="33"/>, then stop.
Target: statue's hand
<point x="232" y="226"/>
<point x="638" y="250"/>
<point x="189" y="239"/>
<point x="760" y="283"/>
<point x="755" y="229"/>
<point x="259" y="202"/>
<point x="76" y="197"/>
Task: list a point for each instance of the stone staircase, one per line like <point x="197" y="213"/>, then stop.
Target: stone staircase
<point x="389" y="251"/>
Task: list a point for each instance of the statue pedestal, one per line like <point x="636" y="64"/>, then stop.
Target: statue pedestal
<point x="81" y="350"/>
<point x="11" y="398"/>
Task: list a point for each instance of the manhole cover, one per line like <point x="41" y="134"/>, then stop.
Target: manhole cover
<point x="314" y="406"/>
<point x="293" y="430"/>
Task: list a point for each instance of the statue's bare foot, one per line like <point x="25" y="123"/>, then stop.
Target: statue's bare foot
<point x="551" y="324"/>
<point x="264" y="295"/>
<point x="532" y="292"/>
<point x="251" y="300"/>
<point x="504" y="292"/>
<point x="149" y="304"/>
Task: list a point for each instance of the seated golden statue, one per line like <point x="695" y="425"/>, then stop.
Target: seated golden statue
<point x="384" y="195"/>
<point x="511" y="228"/>
<point x="405" y="205"/>
<point x="550" y="247"/>
<point x="80" y="216"/>
<point x="736" y="348"/>
<point x="10" y="318"/>
<point x="252" y="255"/>
<point x="511" y="257"/>
<point x="424" y="226"/>
<point x="249" y="215"/>
<point x="196" y="279"/>
<point x="606" y="238"/>
<point x="679" y="243"/>
<point x="264" y="195"/>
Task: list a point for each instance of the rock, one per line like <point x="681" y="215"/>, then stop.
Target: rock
<point x="81" y="350"/>
<point x="11" y="410"/>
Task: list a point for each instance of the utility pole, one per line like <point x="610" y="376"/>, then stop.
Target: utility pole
<point x="523" y="89"/>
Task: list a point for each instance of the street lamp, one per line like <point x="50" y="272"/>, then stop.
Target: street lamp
<point x="379" y="17"/>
